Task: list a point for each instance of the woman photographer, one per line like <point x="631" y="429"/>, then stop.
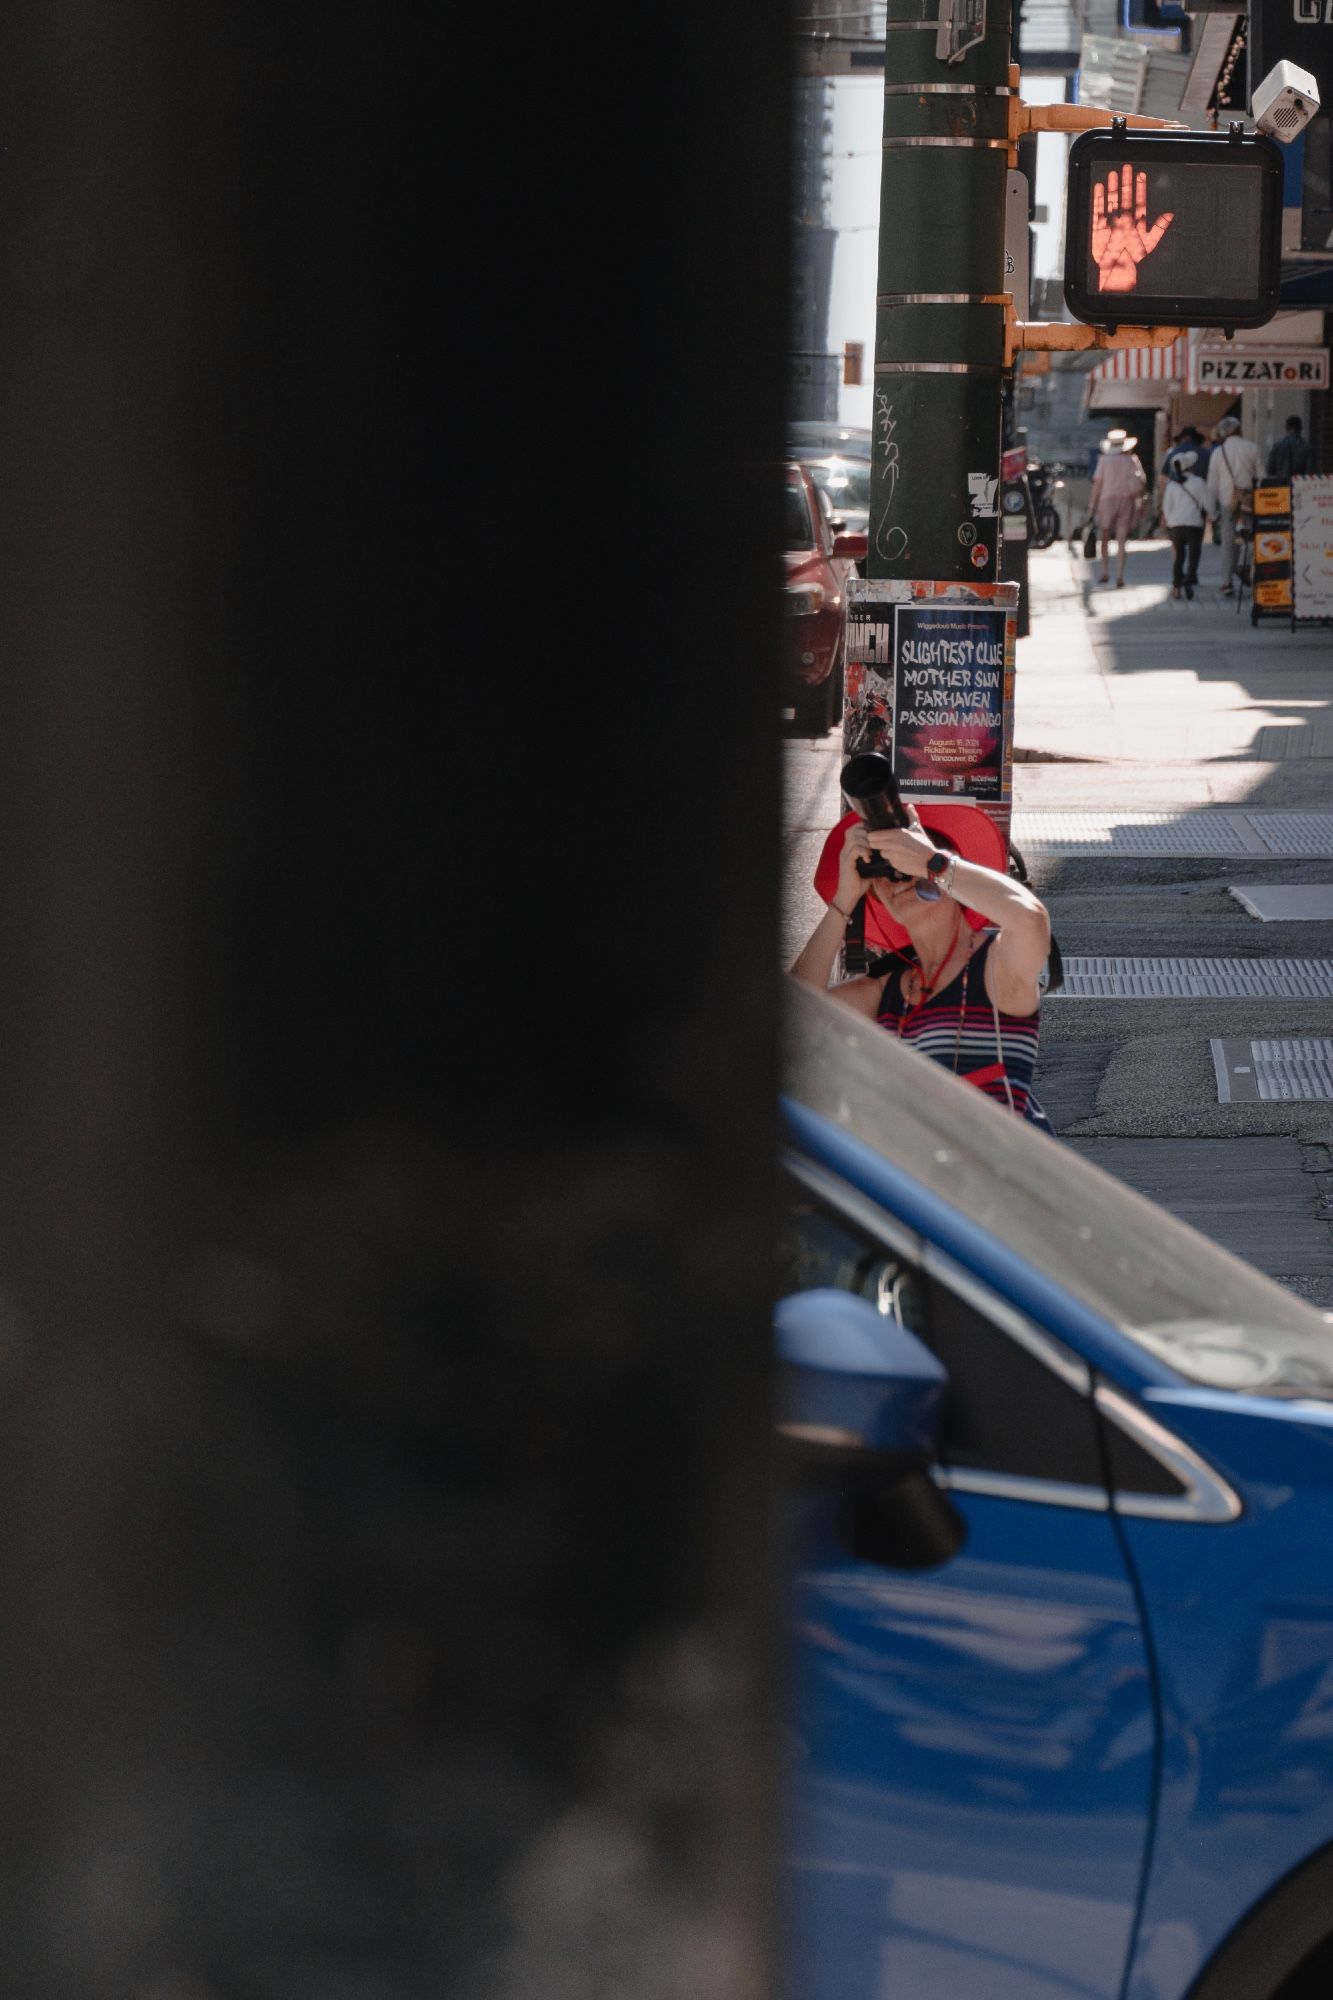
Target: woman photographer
<point x="966" y="946"/>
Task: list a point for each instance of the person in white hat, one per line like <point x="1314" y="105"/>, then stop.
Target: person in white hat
<point x="1118" y="487"/>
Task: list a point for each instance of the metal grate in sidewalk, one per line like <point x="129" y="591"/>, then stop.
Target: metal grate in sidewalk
<point x="1196" y="979"/>
<point x="1294" y="1070"/>
<point x="1294" y="833"/>
<point x="1201" y="833"/>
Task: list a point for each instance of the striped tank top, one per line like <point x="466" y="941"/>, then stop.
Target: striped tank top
<point x="957" y="1027"/>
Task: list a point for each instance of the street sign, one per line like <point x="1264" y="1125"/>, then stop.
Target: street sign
<point x="1173" y="229"/>
<point x="1249" y="367"/>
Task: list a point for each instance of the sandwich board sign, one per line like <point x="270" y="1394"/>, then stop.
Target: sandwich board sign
<point x="1312" y="546"/>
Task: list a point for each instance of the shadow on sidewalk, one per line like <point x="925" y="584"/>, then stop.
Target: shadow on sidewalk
<point x="1141" y="628"/>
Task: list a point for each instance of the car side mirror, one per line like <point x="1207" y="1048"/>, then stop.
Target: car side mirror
<point x="862" y="1404"/>
<point x="854" y="1380"/>
<point x="854" y="544"/>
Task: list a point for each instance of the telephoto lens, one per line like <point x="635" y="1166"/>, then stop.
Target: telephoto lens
<point x="870" y="787"/>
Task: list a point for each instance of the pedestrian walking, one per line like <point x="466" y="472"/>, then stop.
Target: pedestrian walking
<point x="960" y="979"/>
<point x="1290" y="455"/>
<point x="1118" y="488"/>
<point x="1232" y="471"/>
<point x="1187" y="506"/>
<point x="1187" y="439"/>
<point x="1183" y="440"/>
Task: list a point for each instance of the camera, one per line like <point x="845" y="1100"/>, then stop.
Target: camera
<point x="868" y="783"/>
<point x="1285" y="102"/>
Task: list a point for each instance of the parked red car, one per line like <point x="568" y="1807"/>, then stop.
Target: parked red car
<point x="818" y="564"/>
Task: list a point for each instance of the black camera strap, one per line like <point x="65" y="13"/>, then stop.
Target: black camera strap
<point x="855" y="957"/>
<point x="890" y="961"/>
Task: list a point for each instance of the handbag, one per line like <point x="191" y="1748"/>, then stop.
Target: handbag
<point x="1090" y="540"/>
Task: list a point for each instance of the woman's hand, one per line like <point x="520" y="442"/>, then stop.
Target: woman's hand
<point x="814" y="964"/>
<point x="906" y="848"/>
<point x="851" y="884"/>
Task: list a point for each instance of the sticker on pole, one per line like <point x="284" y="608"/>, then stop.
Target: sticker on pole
<point x="981" y="491"/>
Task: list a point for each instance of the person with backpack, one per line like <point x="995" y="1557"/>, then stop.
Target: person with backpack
<point x="1233" y="469"/>
<point x="1188" y="438"/>
<point x="1187" y="506"/>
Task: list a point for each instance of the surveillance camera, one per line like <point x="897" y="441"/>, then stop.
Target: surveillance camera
<point x="1285" y="102"/>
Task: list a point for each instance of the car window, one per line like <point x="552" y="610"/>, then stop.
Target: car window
<point x="848" y="441"/>
<point x="819" y="1249"/>
<point x="1006" y="1411"/>
<point x="846" y="483"/>
<point x="800" y="528"/>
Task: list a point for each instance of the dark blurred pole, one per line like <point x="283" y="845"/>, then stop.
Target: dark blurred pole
<point x="1016" y="530"/>
<point x="388" y="943"/>
<point x="939" y="330"/>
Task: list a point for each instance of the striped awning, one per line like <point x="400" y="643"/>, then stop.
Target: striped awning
<point x="1145" y="364"/>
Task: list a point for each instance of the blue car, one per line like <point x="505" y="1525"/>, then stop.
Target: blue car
<point x="1059" y="1583"/>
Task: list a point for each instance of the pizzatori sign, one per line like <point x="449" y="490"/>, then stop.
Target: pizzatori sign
<point x="1249" y="368"/>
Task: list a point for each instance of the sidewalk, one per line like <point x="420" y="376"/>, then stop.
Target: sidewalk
<point x="1129" y="702"/>
<point x="1196" y="705"/>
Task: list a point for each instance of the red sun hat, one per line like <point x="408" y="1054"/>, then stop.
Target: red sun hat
<point x="971" y="831"/>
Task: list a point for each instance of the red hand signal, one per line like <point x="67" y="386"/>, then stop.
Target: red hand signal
<point x="1121" y="238"/>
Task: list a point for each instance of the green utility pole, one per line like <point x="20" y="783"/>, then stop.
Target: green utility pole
<point x="940" y="322"/>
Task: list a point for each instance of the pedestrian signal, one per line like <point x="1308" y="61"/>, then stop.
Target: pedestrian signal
<point x="1173" y="229"/>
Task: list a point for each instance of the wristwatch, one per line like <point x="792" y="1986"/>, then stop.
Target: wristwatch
<point x="940" y="868"/>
